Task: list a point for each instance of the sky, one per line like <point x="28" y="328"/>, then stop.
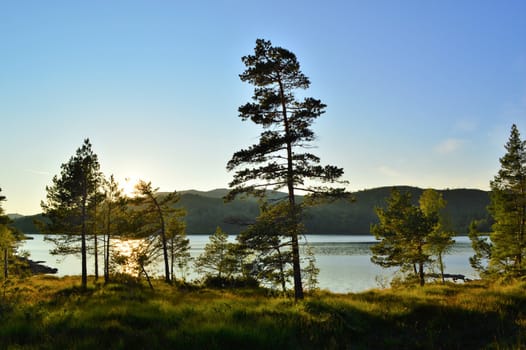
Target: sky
<point x="419" y="93"/>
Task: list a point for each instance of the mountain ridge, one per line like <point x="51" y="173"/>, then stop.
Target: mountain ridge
<point x="206" y="210"/>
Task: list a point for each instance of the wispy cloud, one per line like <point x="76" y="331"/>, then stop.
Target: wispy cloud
<point x="449" y="146"/>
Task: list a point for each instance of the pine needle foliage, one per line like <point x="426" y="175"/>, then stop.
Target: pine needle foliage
<point x="280" y="159"/>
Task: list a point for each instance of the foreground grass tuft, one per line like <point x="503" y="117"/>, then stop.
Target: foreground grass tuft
<point x="49" y="313"/>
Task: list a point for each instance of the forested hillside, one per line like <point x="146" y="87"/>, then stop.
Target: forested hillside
<point x="463" y="206"/>
<point x="207" y="210"/>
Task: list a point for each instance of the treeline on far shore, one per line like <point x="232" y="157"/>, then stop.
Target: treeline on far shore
<point x="206" y="209"/>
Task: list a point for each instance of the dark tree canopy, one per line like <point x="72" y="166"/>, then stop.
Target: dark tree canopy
<point x="9" y="239"/>
<point x="279" y="159"/>
<point x="276" y="161"/>
<point x="403" y="231"/>
<point x="508" y="208"/>
<point x="269" y="244"/>
<point x="68" y="201"/>
<point x="217" y="259"/>
<point x="481" y="247"/>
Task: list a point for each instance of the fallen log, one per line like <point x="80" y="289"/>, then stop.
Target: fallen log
<point x="454" y="277"/>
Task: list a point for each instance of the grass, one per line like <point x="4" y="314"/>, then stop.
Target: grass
<point x="49" y="313"/>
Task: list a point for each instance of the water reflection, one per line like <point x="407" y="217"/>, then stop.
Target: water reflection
<point x="335" y="249"/>
<point x="344" y="261"/>
<point x="124" y="247"/>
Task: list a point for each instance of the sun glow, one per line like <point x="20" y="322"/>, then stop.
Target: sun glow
<point x="124" y="249"/>
<point x="128" y="186"/>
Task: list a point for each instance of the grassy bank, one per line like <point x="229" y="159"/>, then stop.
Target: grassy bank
<point x="50" y="313"/>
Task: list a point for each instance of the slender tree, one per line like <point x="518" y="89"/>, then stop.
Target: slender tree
<point x="440" y="240"/>
<point x="217" y="261"/>
<point x="277" y="161"/>
<point x="508" y="208"/>
<point x="6" y="245"/>
<point x="68" y="201"/>
<point x="94" y="227"/>
<point x="311" y="271"/>
<point x="111" y="218"/>
<point x="10" y="240"/>
<point x="7" y="239"/>
<point x="178" y="244"/>
<point x="403" y="232"/>
<point x="482" y="248"/>
<point x="142" y="255"/>
<point x="156" y="209"/>
<point x="268" y="241"/>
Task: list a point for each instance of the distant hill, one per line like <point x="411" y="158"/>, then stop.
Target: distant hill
<point x="217" y="193"/>
<point x="206" y="211"/>
<point x="463" y="206"/>
<point x="26" y="223"/>
<point x="14" y="216"/>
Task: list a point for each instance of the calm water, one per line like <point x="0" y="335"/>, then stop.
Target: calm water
<point x="344" y="261"/>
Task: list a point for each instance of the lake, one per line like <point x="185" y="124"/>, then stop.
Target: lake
<point x="343" y="260"/>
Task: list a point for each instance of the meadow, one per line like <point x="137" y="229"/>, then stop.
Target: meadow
<point x="46" y="312"/>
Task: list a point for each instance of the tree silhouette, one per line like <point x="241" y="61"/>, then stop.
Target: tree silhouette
<point x="68" y="201"/>
<point x="508" y="208"/>
<point x="277" y="160"/>
<point x="403" y="231"/>
<point x="155" y="210"/>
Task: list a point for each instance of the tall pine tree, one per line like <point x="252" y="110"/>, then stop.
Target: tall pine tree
<point x="277" y="161"/>
<point x="67" y="204"/>
<point x="508" y="208"/>
<point x="7" y="239"/>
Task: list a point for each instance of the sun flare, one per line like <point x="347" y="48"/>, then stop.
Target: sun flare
<point x="124" y="248"/>
<point x="128" y="186"/>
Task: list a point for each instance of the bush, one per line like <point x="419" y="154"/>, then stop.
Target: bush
<point x="230" y="282"/>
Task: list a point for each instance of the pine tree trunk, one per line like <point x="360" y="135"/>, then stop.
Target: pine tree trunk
<point x="441" y="262"/>
<point x="165" y="253"/>
<point x="95" y="242"/>
<point x="96" y="255"/>
<point x="421" y="273"/>
<point x="164" y="243"/>
<point x="105" y="259"/>
<point x="107" y="247"/>
<point x="281" y="272"/>
<point x="521" y="238"/>
<point x="298" y="287"/>
<point x="6" y="263"/>
<point x="296" y="267"/>
<point x="83" y="245"/>
<point x="172" y="258"/>
<point x="147" y="277"/>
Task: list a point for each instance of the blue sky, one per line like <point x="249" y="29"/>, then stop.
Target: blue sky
<point x="418" y="92"/>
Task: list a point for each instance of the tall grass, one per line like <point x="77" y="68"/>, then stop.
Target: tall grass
<point x="50" y="313"/>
